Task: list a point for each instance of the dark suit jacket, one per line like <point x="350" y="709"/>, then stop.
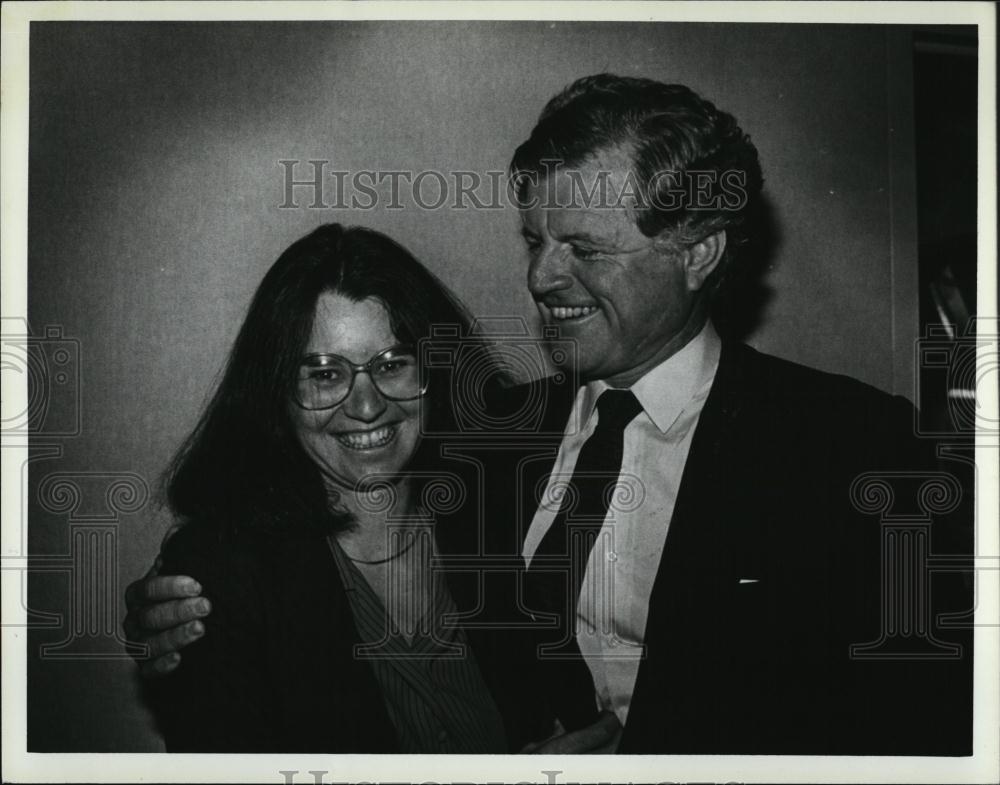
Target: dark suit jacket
<point x="763" y="665"/>
<point x="276" y="671"/>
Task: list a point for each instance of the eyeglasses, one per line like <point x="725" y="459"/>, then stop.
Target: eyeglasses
<point x="326" y="380"/>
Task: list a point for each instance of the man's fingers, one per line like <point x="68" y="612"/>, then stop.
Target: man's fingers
<point x="605" y="740"/>
<point x="585" y="739"/>
<point x="163" y="587"/>
<point x="589" y="739"/>
<point x="169" y="641"/>
<point x="163" y="655"/>
<point x="153" y="587"/>
<point x="160" y="666"/>
<point x="166" y="615"/>
<point x="134" y="591"/>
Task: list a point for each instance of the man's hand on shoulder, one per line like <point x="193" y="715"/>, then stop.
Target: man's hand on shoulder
<point x="600" y="738"/>
<point x="164" y="612"/>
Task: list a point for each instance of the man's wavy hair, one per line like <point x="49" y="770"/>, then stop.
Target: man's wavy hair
<point x="243" y="466"/>
<point x="666" y="128"/>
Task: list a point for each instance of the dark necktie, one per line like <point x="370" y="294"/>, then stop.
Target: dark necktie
<point x="557" y="567"/>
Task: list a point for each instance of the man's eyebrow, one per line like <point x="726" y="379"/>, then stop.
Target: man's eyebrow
<point x="584" y="237"/>
<point x="578" y="236"/>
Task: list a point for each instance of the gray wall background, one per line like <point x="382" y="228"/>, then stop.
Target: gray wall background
<point x="153" y="214"/>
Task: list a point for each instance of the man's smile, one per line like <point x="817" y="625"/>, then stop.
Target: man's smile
<point x="566" y="312"/>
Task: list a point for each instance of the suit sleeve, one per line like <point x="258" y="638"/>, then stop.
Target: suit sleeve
<point x="908" y="694"/>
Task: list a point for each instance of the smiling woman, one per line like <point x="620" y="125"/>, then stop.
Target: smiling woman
<point x="308" y="530"/>
<point x="358" y="412"/>
<point x="344" y="293"/>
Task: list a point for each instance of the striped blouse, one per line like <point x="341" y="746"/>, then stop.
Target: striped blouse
<point x="432" y="687"/>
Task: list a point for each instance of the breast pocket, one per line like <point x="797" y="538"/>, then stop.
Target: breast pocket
<point x="751" y="615"/>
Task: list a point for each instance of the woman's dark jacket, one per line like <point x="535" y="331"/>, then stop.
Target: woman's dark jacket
<point x="275" y="670"/>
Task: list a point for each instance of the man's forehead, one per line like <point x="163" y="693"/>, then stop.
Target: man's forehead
<point x="565" y="223"/>
<point x="598" y="223"/>
<point x="597" y="192"/>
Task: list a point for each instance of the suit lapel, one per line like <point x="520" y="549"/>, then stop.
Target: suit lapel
<point x="697" y="562"/>
<point x="699" y="523"/>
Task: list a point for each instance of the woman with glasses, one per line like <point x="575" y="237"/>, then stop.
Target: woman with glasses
<point x="308" y="489"/>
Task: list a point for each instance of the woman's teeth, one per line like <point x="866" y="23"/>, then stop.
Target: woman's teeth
<point x="368" y="440"/>
<point x="572" y="313"/>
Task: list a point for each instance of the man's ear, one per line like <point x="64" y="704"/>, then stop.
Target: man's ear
<point x="701" y="258"/>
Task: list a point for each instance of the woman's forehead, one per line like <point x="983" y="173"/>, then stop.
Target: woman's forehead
<point x="354" y="329"/>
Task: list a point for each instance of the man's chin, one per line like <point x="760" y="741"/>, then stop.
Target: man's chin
<point x="589" y="365"/>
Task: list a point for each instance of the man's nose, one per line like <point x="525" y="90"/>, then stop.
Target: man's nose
<point x="549" y="270"/>
<point x="365" y="403"/>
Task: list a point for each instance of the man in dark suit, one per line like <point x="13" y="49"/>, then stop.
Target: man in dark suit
<point x="695" y="520"/>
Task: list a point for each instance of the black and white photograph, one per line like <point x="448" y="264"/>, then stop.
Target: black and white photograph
<point x="537" y="392"/>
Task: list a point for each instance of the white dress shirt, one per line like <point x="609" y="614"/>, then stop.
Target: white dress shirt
<point x="619" y="576"/>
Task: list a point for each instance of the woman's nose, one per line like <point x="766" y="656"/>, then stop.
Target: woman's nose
<point x="365" y="403"/>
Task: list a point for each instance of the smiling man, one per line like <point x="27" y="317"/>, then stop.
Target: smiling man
<point x="694" y="532"/>
<point x="690" y="523"/>
<point x="628" y="300"/>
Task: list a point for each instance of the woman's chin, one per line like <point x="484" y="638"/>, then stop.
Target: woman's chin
<point x="375" y="490"/>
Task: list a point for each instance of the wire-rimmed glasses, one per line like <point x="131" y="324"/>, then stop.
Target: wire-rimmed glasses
<point x="325" y="380"/>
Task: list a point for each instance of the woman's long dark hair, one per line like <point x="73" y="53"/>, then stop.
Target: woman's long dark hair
<point x="242" y="466"/>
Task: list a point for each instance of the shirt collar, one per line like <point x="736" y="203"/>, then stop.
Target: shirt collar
<point x="666" y="389"/>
